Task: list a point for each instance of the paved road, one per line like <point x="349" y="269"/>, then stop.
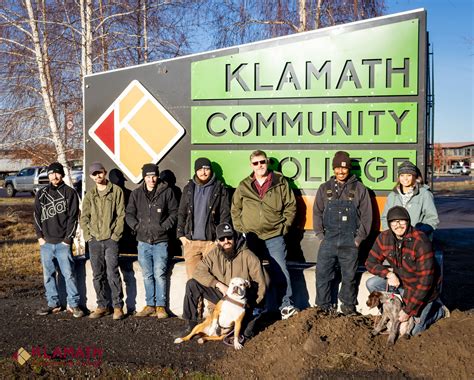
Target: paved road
<point x="456" y="211"/>
<point x="453" y="178"/>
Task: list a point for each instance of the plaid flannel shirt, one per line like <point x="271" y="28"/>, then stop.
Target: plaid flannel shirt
<point x="414" y="263"/>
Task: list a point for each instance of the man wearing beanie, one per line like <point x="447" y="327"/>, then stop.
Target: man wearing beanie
<point x="229" y="258"/>
<point x="264" y="207"/>
<point x="413" y="271"/>
<point x="204" y="205"/>
<point x="56" y="212"/>
<point x="151" y="213"/>
<point x="102" y="221"/>
<point x="415" y="197"/>
<point x="342" y="219"/>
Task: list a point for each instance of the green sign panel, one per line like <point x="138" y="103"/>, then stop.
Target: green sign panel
<point x="308" y="169"/>
<point x="305" y="123"/>
<point x="377" y="61"/>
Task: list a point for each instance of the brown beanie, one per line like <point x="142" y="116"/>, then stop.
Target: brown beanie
<point x="341" y="160"/>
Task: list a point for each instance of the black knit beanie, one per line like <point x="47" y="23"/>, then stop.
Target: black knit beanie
<point x="150" y="169"/>
<point x="398" y="213"/>
<point x="56" y="167"/>
<point x="202" y="162"/>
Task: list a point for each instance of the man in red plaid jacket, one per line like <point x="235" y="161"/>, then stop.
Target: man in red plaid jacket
<point x="412" y="270"/>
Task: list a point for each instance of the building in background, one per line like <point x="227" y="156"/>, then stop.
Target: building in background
<point x="448" y="155"/>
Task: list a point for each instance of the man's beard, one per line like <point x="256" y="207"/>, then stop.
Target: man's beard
<point x="229" y="253"/>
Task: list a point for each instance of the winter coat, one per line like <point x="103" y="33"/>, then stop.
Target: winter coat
<point x="56" y="213"/>
<point x="152" y="218"/>
<point x="103" y="216"/>
<point x="360" y="199"/>
<point x="414" y="263"/>
<point x="218" y="210"/>
<point x="215" y="267"/>
<point x="269" y="217"/>
<point x="421" y="207"/>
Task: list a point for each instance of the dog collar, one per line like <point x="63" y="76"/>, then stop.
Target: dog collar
<point x="241" y="304"/>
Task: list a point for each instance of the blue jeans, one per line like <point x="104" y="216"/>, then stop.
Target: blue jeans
<point x="61" y="253"/>
<point x="278" y="270"/>
<point x="153" y="259"/>
<point x="429" y="315"/>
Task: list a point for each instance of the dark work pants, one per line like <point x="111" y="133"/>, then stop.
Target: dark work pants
<point x="194" y="292"/>
<point x="104" y="262"/>
<point x="331" y="253"/>
<point x="340" y="225"/>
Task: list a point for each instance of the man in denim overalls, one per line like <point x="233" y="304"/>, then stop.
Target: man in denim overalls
<point x="342" y="218"/>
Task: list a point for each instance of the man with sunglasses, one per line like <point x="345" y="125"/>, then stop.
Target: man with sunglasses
<point x="102" y="222"/>
<point x="229" y="258"/>
<point x="342" y="219"/>
<point x="263" y="208"/>
<point x="412" y="271"/>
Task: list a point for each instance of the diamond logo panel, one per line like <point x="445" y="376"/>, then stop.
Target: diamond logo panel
<point x="136" y="129"/>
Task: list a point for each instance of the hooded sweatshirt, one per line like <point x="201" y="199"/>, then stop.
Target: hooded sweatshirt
<point x="56" y="213"/>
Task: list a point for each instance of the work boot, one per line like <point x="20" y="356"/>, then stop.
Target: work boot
<point x="49" y="310"/>
<point x="100" y="312"/>
<point x="148" y="311"/>
<point x="77" y="312"/>
<point x="190" y="324"/>
<point x="161" y="312"/>
<point x="348" y="310"/>
<point x="118" y="314"/>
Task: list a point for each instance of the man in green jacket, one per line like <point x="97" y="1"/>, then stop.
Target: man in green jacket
<point x="263" y="208"/>
<point x="230" y="258"/>
<point x="102" y="221"/>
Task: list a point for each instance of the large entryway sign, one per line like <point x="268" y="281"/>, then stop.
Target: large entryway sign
<point x="359" y="87"/>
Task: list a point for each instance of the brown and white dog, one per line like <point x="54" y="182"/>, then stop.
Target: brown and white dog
<point x="228" y="314"/>
<point x="391" y="305"/>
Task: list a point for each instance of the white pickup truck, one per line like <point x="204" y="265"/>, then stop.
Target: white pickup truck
<point x="459" y="169"/>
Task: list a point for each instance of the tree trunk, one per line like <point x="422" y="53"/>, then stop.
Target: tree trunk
<point x="46" y="92"/>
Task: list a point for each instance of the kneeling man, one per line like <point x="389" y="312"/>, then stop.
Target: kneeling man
<point x="413" y="270"/>
<point x="230" y="258"/>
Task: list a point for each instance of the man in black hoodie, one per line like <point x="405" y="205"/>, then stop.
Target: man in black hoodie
<point x="56" y="213"/>
<point x="204" y="205"/>
<point x="151" y="212"/>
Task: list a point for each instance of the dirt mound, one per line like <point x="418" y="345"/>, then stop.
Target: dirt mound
<point x="313" y="345"/>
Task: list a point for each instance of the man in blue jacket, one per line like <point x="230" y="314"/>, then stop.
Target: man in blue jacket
<point x="151" y="212"/>
<point x="56" y="212"/>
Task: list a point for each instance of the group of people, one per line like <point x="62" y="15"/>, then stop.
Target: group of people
<point x="226" y="236"/>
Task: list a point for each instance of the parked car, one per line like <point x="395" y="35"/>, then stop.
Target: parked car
<point x="76" y="173"/>
<point x="459" y="169"/>
<point x="25" y="180"/>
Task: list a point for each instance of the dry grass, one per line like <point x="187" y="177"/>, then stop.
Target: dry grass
<point x="19" y="252"/>
<point x="468" y="184"/>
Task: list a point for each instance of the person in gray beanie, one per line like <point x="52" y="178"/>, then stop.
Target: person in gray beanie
<point x="342" y="219"/>
<point x="416" y="197"/>
<point x="204" y="204"/>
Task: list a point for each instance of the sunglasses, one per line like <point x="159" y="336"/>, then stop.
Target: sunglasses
<point x="261" y="162"/>
<point x="95" y="174"/>
<point x="222" y="239"/>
